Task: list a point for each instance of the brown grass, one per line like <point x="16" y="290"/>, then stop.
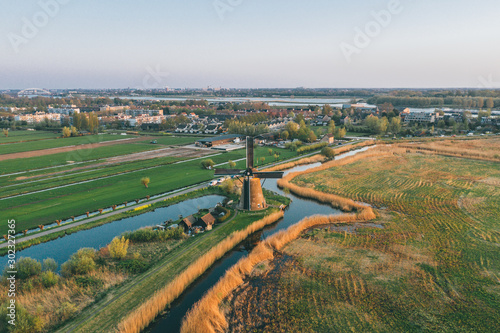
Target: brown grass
<point x="147" y="312"/>
<point x="486" y="149"/>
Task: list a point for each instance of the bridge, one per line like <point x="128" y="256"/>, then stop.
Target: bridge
<point x="34" y="91"/>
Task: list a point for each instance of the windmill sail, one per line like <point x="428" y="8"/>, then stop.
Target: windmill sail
<point x="249" y="152"/>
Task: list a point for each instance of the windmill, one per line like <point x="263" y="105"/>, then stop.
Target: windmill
<point x="251" y="195"/>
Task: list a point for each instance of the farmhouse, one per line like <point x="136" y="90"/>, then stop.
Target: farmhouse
<point x="328" y="138"/>
<point x="188" y="222"/>
<point x="219" y="140"/>
<point x="207" y="221"/>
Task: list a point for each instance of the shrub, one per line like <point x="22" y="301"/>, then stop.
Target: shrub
<point x="329" y="153"/>
<point x="316" y="146"/>
<point x="27" y="267"/>
<point x="49" y="279"/>
<point x="89" y="282"/>
<point x="25" y="322"/>
<point x="66" y="311"/>
<point x="207" y="164"/>
<point x="118" y="248"/>
<point x="49" y="264"/>
<point x="134" y="266"/>
<point x="81" y="262"/>
<point x="149" y="235"/>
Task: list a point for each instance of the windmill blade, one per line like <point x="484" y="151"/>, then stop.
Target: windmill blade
<point x="270" y="175"/>
<point x="227" y="172"/>
<point x="249" y="152"/>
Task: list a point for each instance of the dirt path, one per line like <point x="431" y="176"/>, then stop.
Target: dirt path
<point x="43" y="152"/>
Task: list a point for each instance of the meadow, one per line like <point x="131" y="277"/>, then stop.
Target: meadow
<point x="19" y="136"/>
<point x="36" y="144"/>
<point x="123" y="184"/>
<point x="434" y="266"/>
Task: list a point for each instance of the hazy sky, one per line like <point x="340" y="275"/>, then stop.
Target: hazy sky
<point x="249" y="43"/>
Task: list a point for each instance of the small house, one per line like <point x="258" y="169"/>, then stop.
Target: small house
<point x="188" y="223"/>
<point x="207" y="221"/>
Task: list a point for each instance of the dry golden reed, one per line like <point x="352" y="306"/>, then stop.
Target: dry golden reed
<point x="147" y="312"/>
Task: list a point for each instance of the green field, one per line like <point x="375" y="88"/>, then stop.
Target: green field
<point x="18" y="136"/>
<point x="33" y="209"/>
<point x="434" y="267"/>
<point x="80" y="155"/>
<point x="174" y="140"/>
<point x="57" y="143"/>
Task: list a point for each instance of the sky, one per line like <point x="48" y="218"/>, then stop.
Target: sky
<point x="249" y="44"/>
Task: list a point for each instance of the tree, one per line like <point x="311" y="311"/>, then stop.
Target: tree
<point x="331" y="127"/>
<point x="81" y="262"/>
<point x="276" y="156"/>
<point x="340" y="133"/>
<point x="489" y="103"/>
<point x="49" y="279"/>
<point x="6" y="132"/>
<point x="49" y="264"/>
<point x="145" y="181"/>
<point x="262" y="159"/>
<point x="208" y="164"/>
<point x="270" y="151"/>
<point x="232" y="164"/>
<point x="66" y="132"/>
<point x="327" y="109"/>
<point x="285" y="135"/>
<point x="441" y="124"/>
<point x="74" y="131"/>
<point x="328" y="152"/>
<point x="395" y="125"/>
<point x="27" y="267"/>
<point x="118" y="248"/>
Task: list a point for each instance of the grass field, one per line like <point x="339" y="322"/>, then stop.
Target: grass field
<point x="18" y="136"/>
<point x="18" y="147"/>
<point x="433" y="267"/>
<point x="80" y="155"/>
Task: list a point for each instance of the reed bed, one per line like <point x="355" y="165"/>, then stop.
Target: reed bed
<point x="475" y="149"/>
<point x="147" y="312"/>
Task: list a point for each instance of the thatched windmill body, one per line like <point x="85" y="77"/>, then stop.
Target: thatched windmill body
<point x="251" y="194"/>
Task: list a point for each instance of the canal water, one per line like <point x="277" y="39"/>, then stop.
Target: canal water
<point x="299" y="208"/>
<point x="62" y="248"/>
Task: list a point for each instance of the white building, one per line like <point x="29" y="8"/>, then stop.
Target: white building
<point x="420" y="117"/>
<point x="64" y="110"/>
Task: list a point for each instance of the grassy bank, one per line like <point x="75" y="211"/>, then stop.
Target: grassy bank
<point x="164" y="281"/>
<point x="165" y="203"/>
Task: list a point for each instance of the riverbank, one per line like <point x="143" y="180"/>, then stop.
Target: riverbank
<point x="120" y="304"/>
<point x="50" y="235"/>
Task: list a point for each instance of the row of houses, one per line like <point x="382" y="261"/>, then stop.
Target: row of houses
<point x="206" y="222"/>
